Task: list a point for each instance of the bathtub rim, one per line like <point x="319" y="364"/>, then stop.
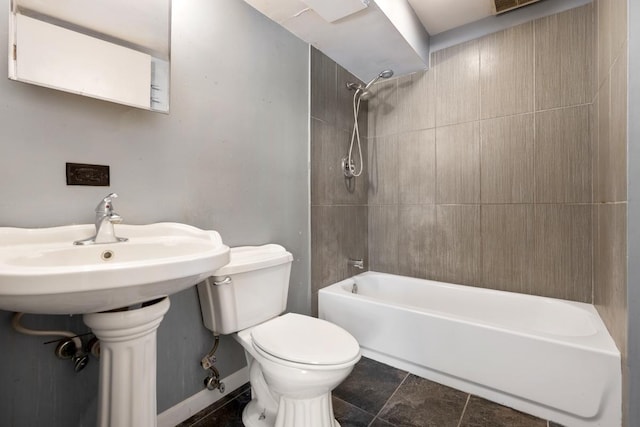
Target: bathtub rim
<point x="604" y="345"/>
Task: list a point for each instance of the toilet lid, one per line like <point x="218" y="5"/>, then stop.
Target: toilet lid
<point x="306" y="340"/>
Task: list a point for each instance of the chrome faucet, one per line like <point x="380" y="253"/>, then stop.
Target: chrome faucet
<point x="105" y="218"/>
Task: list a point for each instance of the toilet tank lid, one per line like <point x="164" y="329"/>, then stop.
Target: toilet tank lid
<point x="249" y="258"/>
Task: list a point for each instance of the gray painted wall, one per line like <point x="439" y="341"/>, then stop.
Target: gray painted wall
<point x="633" y="216"/>
<point x="231" y="156"/>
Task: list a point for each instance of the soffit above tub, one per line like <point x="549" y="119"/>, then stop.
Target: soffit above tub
<point x="399" y="34"/>
<point x="364" y="42"/>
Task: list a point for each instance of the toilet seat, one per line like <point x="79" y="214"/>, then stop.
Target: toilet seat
<point x="297" y="340"/>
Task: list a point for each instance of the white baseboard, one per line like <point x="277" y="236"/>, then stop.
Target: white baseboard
<point x="196" y="403"/>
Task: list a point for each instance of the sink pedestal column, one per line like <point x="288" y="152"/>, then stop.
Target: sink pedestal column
<point x="127" y="390"/>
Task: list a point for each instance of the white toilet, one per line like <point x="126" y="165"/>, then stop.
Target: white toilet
<point x="295" y="361"/>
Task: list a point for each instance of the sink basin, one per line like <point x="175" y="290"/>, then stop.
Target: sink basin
<point x="42" y="271"/>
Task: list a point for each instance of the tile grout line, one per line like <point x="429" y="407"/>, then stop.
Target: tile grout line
<point x="480" y="266"/>
<point x="529" y="284"/>
<point x="464" y="410"/>
<point x="353" y="406"/>
<point x="390" y="397"/>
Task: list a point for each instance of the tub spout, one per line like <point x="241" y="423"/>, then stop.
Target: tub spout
<point x="357" y="263"/>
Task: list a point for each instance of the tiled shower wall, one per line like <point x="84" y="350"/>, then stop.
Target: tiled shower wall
<point x="503" y="166"/>
<point x="610" y="171"/>
<point x="338" y="205"/>
<point x="480" y="169"/>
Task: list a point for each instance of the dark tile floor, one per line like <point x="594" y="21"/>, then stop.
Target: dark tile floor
<point x="378" y="395"/>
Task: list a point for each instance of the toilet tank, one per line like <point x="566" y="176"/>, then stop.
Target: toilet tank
<point x="249" y="290"/>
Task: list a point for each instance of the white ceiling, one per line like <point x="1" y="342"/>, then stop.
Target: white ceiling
<point x="438" y="16"/>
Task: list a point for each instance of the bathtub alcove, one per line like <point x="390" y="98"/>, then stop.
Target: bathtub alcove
<point x="548" y="357"/>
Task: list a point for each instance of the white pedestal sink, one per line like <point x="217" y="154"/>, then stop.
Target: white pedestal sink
<point x="41" y="271"/>
<point x="127" y="345"/>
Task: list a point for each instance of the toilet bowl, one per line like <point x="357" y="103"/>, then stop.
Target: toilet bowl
<point x="295" y="360"/>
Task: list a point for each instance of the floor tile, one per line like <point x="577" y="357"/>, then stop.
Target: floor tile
<point x="380" y="423"/>
<point x="483" y="413"/>
<point x="349" y="415"/>
<point x="370" y="385"/>
<point x="215" y="406"/>
<point x="422" y="403"/>
<point x="378" y="395"/>
<point x="230" y="415"/>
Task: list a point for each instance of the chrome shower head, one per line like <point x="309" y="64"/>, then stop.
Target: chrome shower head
<point x="363" y="91"/>
<point x="383" y="75"/>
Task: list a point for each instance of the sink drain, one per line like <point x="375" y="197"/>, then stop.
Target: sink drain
<point x="107" y="255"/>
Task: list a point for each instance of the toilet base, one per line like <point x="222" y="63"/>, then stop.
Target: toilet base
<point x="255" y="416"/>
<point x="316" y="412"/>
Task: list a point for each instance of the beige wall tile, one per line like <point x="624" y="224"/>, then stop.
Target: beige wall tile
<point x="417" y="167"/>
<point x="382" y="169"/>
<point x="595" y="136"/>
<point x="593" y="54"/>
<point x="563" y="245"/>
<point x="458" y="244"/>
<point x="508" y="247"/>
<point x="416" y="101"/>
<point x="344" y="104"/>
<point x="325" y="246"/>
<point x="354" y="238"/>
<point x="563" y="156"/>
<point x="615" y="170"/>
<point x="458" y="163"/>
<point x="343" y="190"/>
<point x="350" y="191"/>
<point x="383" y="109"/>
<point x="328" y="183"/>
<point x="604" y="141"/>
<point x="457" y="72"/>
<point x="610" y="270"/>
<point x="563" y="68"/>
<point x="323" y="87"/>
<point x="506" y="70"/>
<point x="508" y="243"/>
<point x="619" y="33"/>
<point x="322" y="167"/>
<point x="383" y="238"/>
<point x="506" y="159"/>
<point x="338" y="234"/>
<point x="603" y="38"/>
<point x="416" y="240"/>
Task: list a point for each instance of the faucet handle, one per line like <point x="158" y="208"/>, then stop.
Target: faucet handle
<point x="106" y="205"/>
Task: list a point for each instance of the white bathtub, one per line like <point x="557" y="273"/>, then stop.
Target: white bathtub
<point x="547" y="357"/>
